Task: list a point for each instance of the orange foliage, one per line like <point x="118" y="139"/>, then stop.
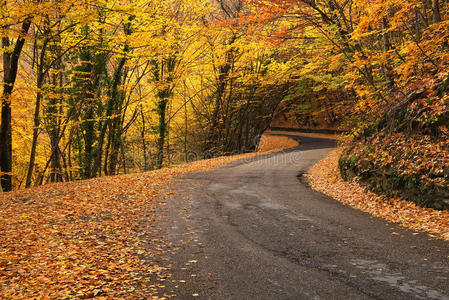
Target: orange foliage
<point x="272" y="142"/>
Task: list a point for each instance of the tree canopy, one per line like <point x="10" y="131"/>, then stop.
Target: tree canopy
<point x="95" y="88"/>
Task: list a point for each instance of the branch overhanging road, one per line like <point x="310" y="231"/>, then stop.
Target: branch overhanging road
<point x="257" y="232"/>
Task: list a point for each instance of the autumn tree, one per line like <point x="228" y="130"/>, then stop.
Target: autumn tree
<point x="15" y="25"/>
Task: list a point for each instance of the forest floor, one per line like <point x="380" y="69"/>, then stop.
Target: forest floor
<point x="94" y="238"/>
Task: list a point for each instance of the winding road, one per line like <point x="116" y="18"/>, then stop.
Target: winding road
<point x="254" y="230"/>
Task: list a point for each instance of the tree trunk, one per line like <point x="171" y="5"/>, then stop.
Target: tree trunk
<point x="111" y="108"/>
<point x="115" y="133"/>
<point x="144" y="144"/>
<point x="39" y="83"/>
<point x="116" y="130"/>
<point x="89" y="138"/>
<point x="436" y="11"/>
<point x="69" y="158"/>
<point x="10" y="67"/>
<point x="425" y="21"/>
<point x="123" y="152"/>
<point x="162" y="106"/>
<point x="223" y="76"/>
<point x="6" y="145"/>
<point x="53" y="115"/>
<point x="35" y="132"/>
<point x="386" y="47"/>
<point x="186" y="130"/>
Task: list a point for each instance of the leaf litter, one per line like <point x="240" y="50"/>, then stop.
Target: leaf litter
<point x="325" y="177"/>
<point x="93" y="238"/>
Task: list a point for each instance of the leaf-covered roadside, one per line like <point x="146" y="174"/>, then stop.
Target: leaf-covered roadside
<point x="325" y="177"/>
<point x="273" y="143"/>
<point x="93" y="238"/>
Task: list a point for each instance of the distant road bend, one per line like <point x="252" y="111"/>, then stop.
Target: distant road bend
<point x="260" y="233"/>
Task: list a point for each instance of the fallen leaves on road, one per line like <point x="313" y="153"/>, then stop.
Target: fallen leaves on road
<point x="92" y="238"/>
<point x="272" y="143"/>
<point x="325" y="178"/>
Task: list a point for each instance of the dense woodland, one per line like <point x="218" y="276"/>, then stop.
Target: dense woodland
<point x="94" y="88"/>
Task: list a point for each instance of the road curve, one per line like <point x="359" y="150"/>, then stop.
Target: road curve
<point x="252" y="230"/>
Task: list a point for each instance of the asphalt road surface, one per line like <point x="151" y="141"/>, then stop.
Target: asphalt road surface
<point x="254" y="230"/>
